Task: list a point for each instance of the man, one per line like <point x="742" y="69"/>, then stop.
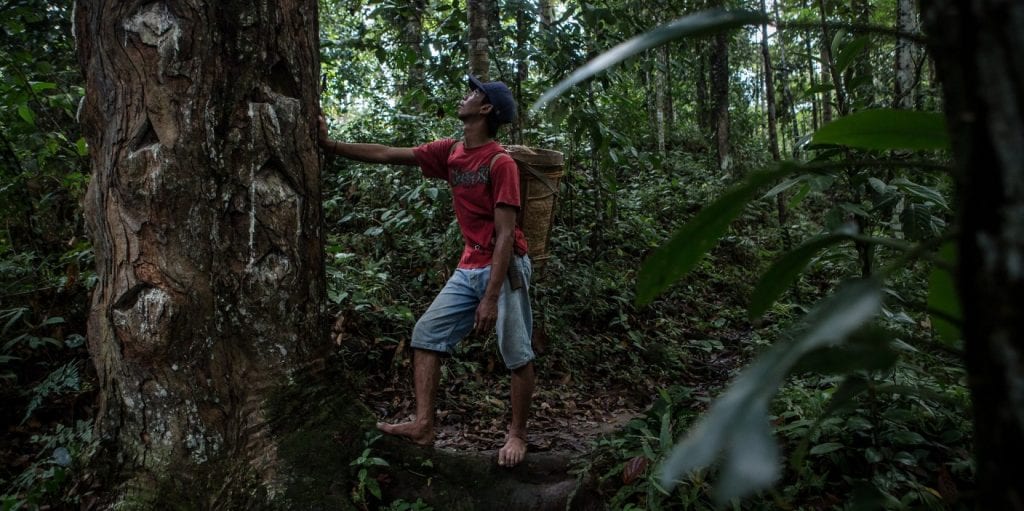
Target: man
<point x="489" y="289"/>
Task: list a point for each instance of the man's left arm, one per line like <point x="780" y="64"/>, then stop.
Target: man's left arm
<point x="504" y="234"/>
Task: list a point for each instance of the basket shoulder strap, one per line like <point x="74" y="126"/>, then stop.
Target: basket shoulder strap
<point x="539" y="176"/>
<point x="497" y="155"/>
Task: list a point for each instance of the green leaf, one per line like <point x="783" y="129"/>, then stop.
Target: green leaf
<point x="53" y="320"/>
<point x="374" y="487"/>
<point x="821" y="87"/>
<point x="884" y="129"/>
<point x="852" y="386"/>
<point x="907" y="437"/>
<point x="855" y="209"/>
<point x="665" y="434"/>
<point x="869" y="350"/>
<point x="698" y="24"/>
<point x="784" y="271"/>
<point x="878" y="185"/>
<point x="826" y="448"/>
<point x="943" y="301"/>
<point x="799" y="195"/>
<point x="736" y="415"/>
<point x="41" y="86"/>
<point x="850" y="52"/>
<point x="752" y="457"/>
<point x="925" y="193"/>
<point x="82" y="147"/>
<point x="783" y="186"/>
<point x="27" y="114"/>
<point x="919" y="223"/>
<point x="837" y="39"/>
<point x="683" y="251"/>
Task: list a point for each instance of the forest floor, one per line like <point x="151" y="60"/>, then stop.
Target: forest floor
<point x="569" y="411"/>
<point x="566" y="416"/>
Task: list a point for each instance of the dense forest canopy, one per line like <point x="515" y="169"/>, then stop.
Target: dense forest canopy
<point x="754" y="258"/>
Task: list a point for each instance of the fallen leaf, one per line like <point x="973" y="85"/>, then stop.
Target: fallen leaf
<point x="633" y="469"/>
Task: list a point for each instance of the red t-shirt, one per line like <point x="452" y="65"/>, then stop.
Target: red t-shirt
<point x="477" y="189"/>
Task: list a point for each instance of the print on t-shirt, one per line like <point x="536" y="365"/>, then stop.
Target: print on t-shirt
<point x="480" y="176"/>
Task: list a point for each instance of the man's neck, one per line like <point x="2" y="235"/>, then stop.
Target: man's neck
<point x="474" y="133"/>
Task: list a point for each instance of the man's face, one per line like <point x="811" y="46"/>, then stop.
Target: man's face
<point x="472" y="104"/>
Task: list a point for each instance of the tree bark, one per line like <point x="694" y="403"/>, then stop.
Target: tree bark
<point x="828" y="64"/>
<point x="524" y="25"/>
<point x="769" y="91"/>
<point x="826" y="77"/>
<point x="863" y="71"/>
<point x="813" y="80"/>
<point x="906" y="56"/>
<point x="720" y="98"/>
<point x="977" y="48"/>
<point x="479" y="65"/>
<point x="701" y="86"/>
<point x="662" y="96"/>
<point x="204" y="210"/>
<point x="412" y="38"/>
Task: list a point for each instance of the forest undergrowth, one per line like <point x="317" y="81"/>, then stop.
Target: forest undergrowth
<point x="618" y="383"/>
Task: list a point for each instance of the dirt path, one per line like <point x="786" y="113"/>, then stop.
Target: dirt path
<point x="473" y="415"/>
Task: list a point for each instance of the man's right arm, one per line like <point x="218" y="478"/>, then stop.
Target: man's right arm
<point x="370" y="153"/>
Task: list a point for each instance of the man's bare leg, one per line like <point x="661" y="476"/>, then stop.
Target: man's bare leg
<point x="514" y="450"/>
<point x="426" y="376"/>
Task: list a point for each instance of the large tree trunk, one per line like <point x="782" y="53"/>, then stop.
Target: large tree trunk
<point x="977" y="48"/>
<point x="204" y="210"/>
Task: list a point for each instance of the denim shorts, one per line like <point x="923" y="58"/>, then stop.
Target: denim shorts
<point x="453" y="312"/>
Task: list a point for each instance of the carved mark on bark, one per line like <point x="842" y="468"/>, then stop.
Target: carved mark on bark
<point x="145" y="136"/>
<point x="143" y="170"/>
<point x="282" y="81"/>
<point x="156" y="26"/>
<point x="142" y="318"/>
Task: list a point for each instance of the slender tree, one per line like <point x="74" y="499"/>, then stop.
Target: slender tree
<point x="479" y="63"/>
<point x="812" y="77"/>
<point x="412" y="38"/>
<point x="701" y="87"/>
<point x="524" y="26"/>
<point x="720" y="98"/>
<point x="904" y="95"/>
<point x="769" y="91"/>
<point x="828" y="64"/>
<point x="863" y="67"/>
<point x="204" y="211"/>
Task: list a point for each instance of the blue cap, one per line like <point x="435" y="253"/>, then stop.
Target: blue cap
<point x="499" y="96"/>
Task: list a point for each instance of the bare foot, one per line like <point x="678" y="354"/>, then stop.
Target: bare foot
<point x="420" y="434"/>
<point x="513" y="452"/>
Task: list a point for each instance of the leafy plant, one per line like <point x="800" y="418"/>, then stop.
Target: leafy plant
<point x="60" y="455"/>
<point x="366" y="465"/>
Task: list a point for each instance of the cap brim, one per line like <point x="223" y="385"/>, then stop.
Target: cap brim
<point x="475" y="83"/>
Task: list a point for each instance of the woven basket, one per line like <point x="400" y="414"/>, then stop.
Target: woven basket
<point x="539" y="173"/>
